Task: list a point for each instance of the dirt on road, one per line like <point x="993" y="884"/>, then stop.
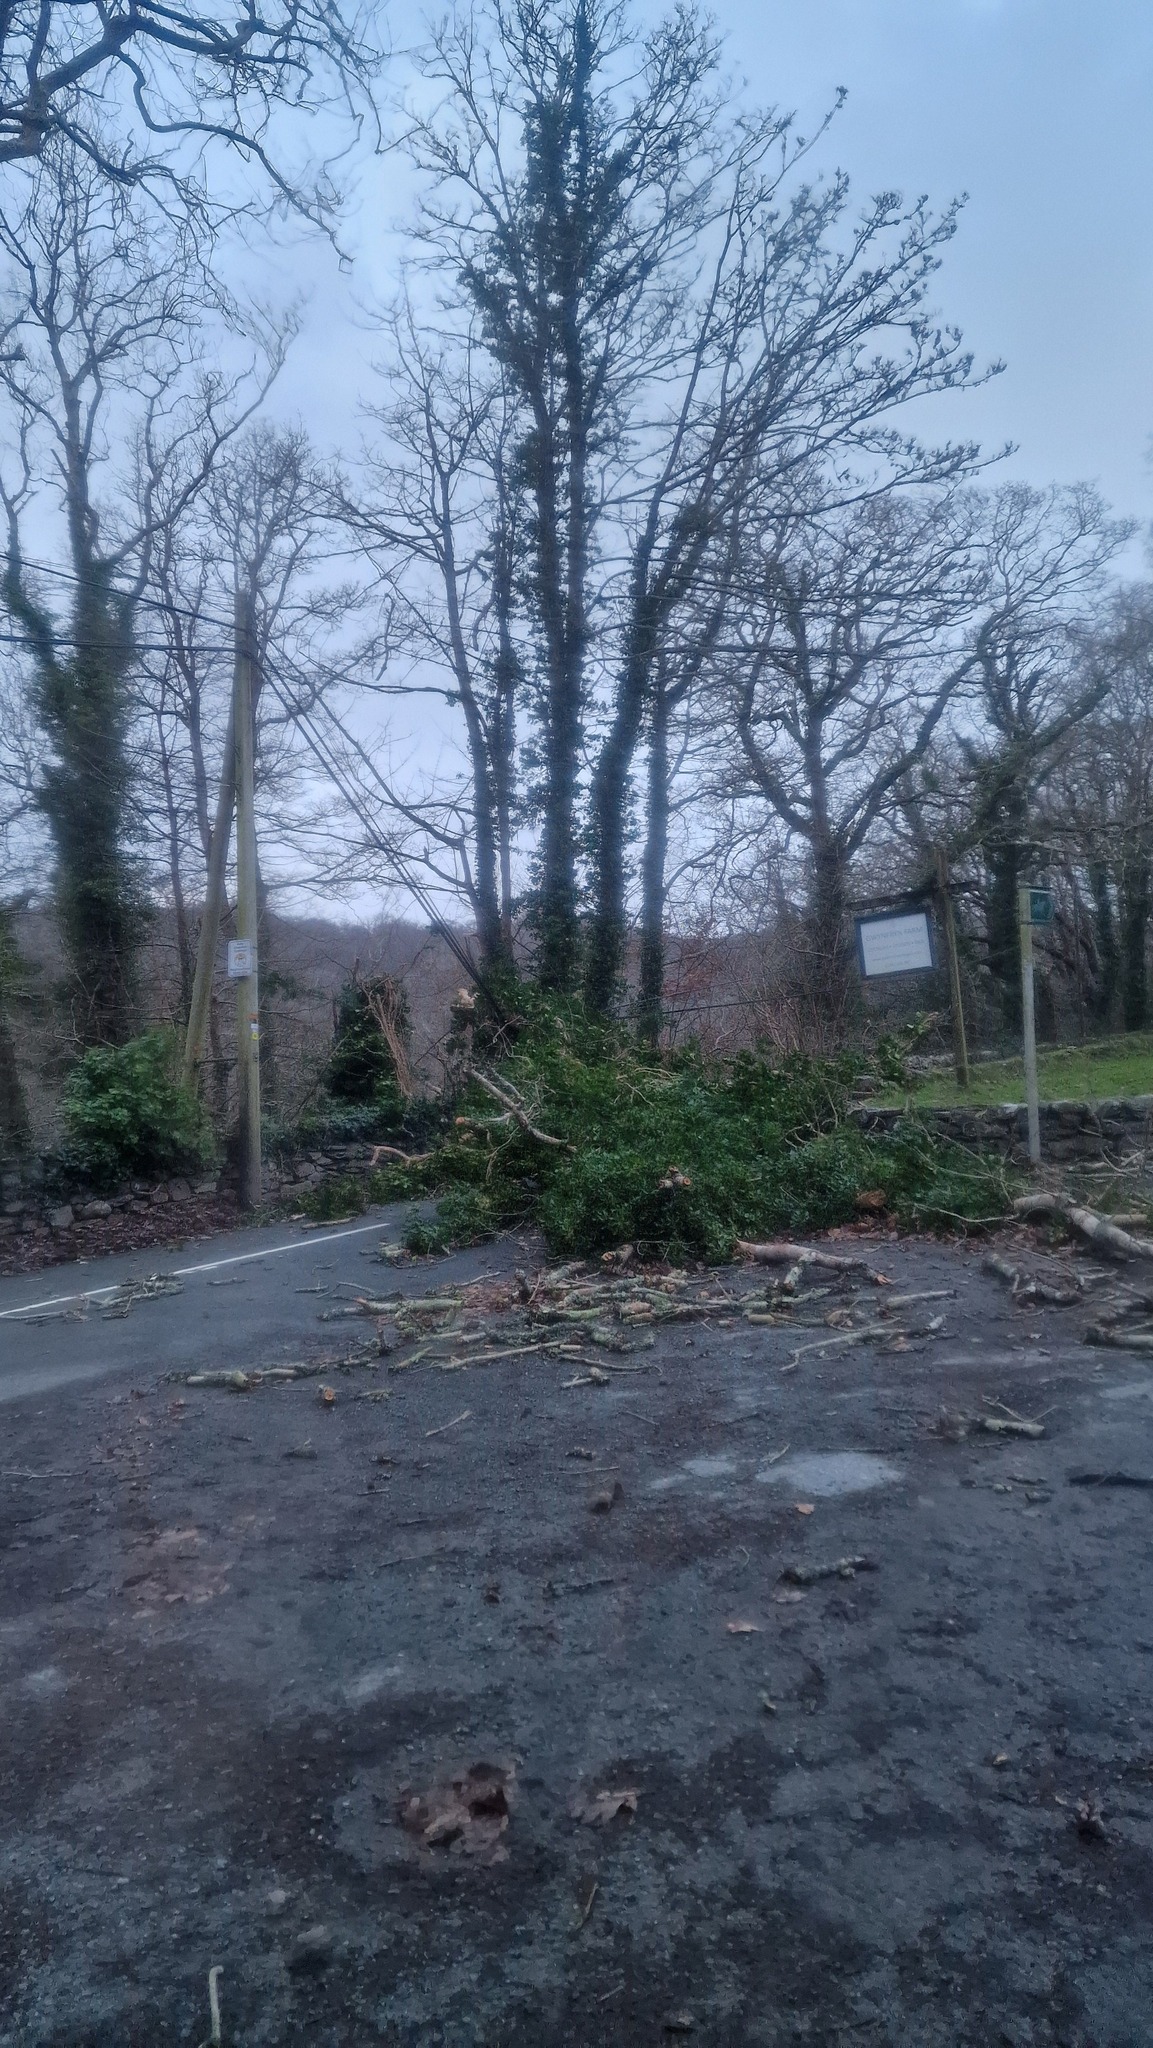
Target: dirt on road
<point x="721" y="1693"/>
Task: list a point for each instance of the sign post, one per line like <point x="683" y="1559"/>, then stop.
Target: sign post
<point x="1034" y="907"/>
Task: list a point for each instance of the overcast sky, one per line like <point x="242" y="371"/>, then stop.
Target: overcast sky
<point x="1038" y="109"/>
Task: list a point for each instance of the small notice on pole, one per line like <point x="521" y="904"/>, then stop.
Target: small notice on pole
<point x="241" y="959"/>
<point x="1037" y="906"/>
<point x="900" y="943"/>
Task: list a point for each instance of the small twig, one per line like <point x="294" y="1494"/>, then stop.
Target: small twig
<point x="214" y="2038"/>
<point x="13" y="1472"/>
<point x="462" y="1417"/>
<point x="588" y="1905"/>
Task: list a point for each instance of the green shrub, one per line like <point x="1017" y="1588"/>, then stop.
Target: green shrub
<point x="369" y="1039"/>
<point x="679" y="1156"/>
<point x="347" y="1194"/>
<point x="127" y="1112"/>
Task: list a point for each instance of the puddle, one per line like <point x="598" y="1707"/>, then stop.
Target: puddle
<point x="695" y="1468"/>
<point x="826" y="1473"/>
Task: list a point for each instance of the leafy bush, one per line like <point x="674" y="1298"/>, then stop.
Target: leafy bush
<point x="679" y="1156"/>
<point x="127" y="1112"/>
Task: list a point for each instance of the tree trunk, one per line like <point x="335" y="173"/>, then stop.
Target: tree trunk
<point x="84" y="795"/>
<point x="1103" y="996"/>
<point x="650" y="1015"/>
<point x="15" y="1134"/>
<point x="831" y="979"/>
<point x="1007" y="855"/>
<point x="608" y="809"/>
<point x="1135" y="906"/>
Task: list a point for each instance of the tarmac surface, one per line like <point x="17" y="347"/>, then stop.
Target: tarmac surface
<point x="244" y="1636"/>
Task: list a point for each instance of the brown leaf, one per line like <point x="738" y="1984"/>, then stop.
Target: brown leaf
<point x="742" y="1628"/>
<point x="871" y="1200"/>
<point x="596" y="1809"/>
<point x="803" y="1507"/>
<point x="468" y="1815"/>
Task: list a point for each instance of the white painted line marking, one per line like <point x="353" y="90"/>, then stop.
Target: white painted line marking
<point x="271" y="1251"/>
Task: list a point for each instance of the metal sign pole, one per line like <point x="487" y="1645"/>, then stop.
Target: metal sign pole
<point x="1032" y="1092"/>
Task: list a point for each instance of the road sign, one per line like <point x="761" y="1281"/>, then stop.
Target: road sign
<point x="1037" y="906"/>
<point x="895" y="944"/>
<point x="241" y="959"/>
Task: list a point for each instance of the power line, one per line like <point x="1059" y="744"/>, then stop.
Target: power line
<point x="384" y="845"/>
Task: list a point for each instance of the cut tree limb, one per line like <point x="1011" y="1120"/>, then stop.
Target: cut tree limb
<point x="1099" y="1231"/>
<point x="805" y="1255"/>
<point x="514" y="1107"/>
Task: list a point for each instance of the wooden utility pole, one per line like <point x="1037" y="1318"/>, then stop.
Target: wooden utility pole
<point x="213" y="905"/>
<point x="949" y="928"/>
<point x="247" y="984"/>
<point x="1029" y="1016"/>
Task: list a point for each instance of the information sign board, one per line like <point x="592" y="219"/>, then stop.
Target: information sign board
<point x="898" y="942"/>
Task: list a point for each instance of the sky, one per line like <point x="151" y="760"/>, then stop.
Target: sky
<point x="1039" y="110"/>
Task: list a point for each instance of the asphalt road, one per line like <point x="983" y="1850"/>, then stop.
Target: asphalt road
<point x="240" y="1295"/>
<point x="240" y="1633"/>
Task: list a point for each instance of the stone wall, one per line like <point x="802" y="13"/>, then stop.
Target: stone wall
<point x="32" y="1197"/>
<point x="1070" y="1131"/>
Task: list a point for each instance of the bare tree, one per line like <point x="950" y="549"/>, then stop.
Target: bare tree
<point x="99" y="318"/>
<point x="1046" y="557"/>
<point x="260" y="523"/>
<point x="670" y="315"/>
<point x="171" y="82"/>
<point x="440" y="516"/>
<point x="846" y="649"/>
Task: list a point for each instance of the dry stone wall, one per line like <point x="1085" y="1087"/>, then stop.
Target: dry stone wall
<point x="1070" y="1131"/>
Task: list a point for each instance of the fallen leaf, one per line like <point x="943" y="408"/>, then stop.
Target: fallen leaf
<point x="785" y="1596"/>
<point x="1000" y="1759"/>
<point x="742" y="1628"/>
<point x="468" y="1815"/>
<point x="871" y="1199"/>
<point x="679" y="2023"/>
<point x="803" y="1507"/>
<point x="596" y="1809"/>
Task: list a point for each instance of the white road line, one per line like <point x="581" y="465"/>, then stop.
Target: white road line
<point x="271" y="1251"/>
